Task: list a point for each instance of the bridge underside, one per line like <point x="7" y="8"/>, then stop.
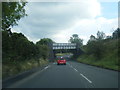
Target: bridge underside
<point x="64" y="48"/>
<point x="75" y="52"/>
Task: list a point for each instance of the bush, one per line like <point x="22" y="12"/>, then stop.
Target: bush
<point x="101" y="53"/>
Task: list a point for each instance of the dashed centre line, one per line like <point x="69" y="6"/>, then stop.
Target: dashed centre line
<point x="76" y="70"/>
<point x="86" y="78"/>
<point x="80" y="74"/>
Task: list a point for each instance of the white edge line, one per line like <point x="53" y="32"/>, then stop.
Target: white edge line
<point x="20" y="82"/>
<point x="86" y="78"/>
<point x="46" y="67"/>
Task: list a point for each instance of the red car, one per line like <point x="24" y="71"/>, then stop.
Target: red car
<point x="61" y="61"/>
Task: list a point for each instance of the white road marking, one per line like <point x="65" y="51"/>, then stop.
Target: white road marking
<point x="20" y="82"/>
<point x="80" y="73"/>
<point x="86" y="78"/>
<point x="46" y="67"/>
<point x="76" y="70"/>
<point x="73" y="67"/>
<point x="70" y="65"/>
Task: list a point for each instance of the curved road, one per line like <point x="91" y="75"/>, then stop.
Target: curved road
<point x="71" y="75"/>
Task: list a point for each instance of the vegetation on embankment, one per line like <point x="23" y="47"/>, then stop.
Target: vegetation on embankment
<point x="14" y="68"/>
<point x="19" y="54"/>
<point x="102" y="52"/>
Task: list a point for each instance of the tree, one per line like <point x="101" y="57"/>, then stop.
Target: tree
<point x="44" y="47"/>
<point x="116" y="33"/>
<point x="6" y="44"/>
<point x="22" y="48"/>
<point x="75" y="39"/>
<point x="45" y="41"/>
<point x="92" y="38"/>
<point x="100" y="35"/>
<point x="95" y="48"/>
<point x="11" y="13"/>
<point x="17" y="47"/>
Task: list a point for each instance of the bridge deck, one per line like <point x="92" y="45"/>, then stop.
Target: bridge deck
<point x="64" y="45"/>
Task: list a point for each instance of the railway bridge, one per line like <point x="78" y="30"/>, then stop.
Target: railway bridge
<point x="63" y="47"/>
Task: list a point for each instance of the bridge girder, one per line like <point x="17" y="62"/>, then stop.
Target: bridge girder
<point x="72" y="47"/>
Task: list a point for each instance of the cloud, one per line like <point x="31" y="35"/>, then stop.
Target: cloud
<point x="59" y="20"/>
<point x="92" y="26"/>
<point x="85" y="28"/>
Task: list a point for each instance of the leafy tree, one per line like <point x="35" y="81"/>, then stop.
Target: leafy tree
<point x="45" y="41"/>
<point x="92" y="38"/>
<point x="116" y="33"/>
<point x="6" y="44"/>
<point x="21" y="47"/>
<point x="17" y="47"/>
<point x="43" y="51"/>
<point x="95" y="48"/>
<point x="44" y="47"/>
<point x="75" y="39"/>
<point x="100" y="35"/>
<point x="95" y="45"/>
<point x="11" y="13"/>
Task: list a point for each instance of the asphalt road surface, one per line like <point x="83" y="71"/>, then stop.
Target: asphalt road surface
<point x="71" y="75"/>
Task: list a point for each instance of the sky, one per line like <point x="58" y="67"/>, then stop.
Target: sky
<point x="60" y="20"/>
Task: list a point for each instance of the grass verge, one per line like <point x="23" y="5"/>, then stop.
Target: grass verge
<point x="106" y="62"/>
<point x="14" y="68"/>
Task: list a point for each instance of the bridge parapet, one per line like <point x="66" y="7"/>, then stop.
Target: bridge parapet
<point x="64" y="46"/>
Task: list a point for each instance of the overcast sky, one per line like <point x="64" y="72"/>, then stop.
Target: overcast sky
<point x="59" y="20"/>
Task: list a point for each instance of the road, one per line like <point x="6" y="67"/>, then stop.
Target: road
<point x="71" y="75"/>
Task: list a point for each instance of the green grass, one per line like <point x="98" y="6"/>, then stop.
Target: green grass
<point x="109" y="62"/>
<point x="13" y="68"/>
<point x="108" y="57"/>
